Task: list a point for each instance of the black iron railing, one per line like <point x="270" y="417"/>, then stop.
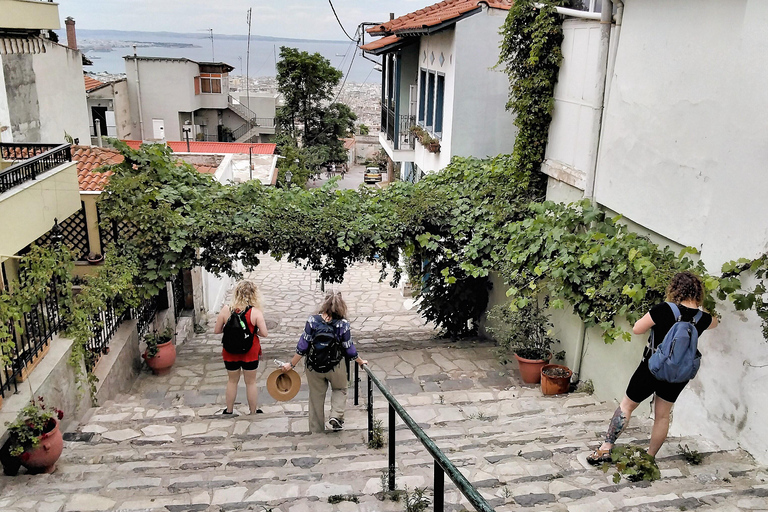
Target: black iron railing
<point x="177" y="287"/>
<point x="104" y="326"/>
<point x="388" y="122"/>
<point x="405" y="137"/>
<point x="442" y="465"/>
<point x="33" y="160"/>
<point x="144" y="314"/>
<point x="38" y="326"/>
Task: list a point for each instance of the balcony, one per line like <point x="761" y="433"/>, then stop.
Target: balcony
<point x="29" y="15"/>
<point x="38" y="182"/>
<point x="396" y="136"/>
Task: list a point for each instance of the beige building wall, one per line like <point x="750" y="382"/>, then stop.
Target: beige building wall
<point x="27" y="211"/>
<point x="29" y="15"/>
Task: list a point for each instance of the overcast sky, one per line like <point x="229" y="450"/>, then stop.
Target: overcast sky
<point x="306" y="19"/>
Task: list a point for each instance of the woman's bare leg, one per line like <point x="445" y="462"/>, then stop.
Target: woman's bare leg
<point x="619" y="422"/>
<point x="662" y="411"/>
<point x="233" y="379"/>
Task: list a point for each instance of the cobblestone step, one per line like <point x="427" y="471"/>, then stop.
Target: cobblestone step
<point x="162" y="447"/>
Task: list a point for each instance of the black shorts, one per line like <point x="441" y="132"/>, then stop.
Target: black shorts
<point x="233" y="366"/>
<point x="643" y="384"/>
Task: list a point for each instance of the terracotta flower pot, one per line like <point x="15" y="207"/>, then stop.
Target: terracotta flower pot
<point x="42" y="458"/>
<point x="555" y="385"/>
<point x="163" y="360"/>
<point x="530" y="369"/>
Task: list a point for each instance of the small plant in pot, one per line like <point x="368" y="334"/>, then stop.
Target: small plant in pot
<point x="160" y="353"/>
<point x="34" y="438"/>
<point x="525" y="331"/>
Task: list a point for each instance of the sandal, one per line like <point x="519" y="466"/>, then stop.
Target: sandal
<point x="599" y="457"/>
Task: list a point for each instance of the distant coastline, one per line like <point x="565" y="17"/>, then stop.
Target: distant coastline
<point x="198" y="35"/>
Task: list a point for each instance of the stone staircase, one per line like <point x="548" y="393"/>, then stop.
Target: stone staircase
<point x="164" y="447"/>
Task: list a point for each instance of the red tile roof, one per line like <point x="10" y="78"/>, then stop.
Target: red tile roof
<point x="91" y="158"/>
<point x="434" y="15"/>
<point x="380" y="43"/>
<point x="88" y="160"/>
<point x="91" y="83"/>
<point x="213" y="147"/>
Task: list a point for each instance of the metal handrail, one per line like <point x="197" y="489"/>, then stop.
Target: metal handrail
<point x="34" y="159"/>
<point x="442" y="464"/>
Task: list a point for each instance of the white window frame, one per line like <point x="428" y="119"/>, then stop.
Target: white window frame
<point x="429" y="123"/>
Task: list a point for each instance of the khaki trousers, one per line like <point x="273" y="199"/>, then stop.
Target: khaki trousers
<point x="318" y="387"/>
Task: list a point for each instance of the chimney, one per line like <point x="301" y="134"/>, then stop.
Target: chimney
<point x="391" y="17"/>
<point x="71" y="38"/>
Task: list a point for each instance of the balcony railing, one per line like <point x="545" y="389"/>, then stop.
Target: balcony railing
<point x="397" y="127"/>
<point x="33" y="160"/>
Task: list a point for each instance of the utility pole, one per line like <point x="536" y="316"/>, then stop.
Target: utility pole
<point x="247" y="69"/>
<point x="213" y="55"/>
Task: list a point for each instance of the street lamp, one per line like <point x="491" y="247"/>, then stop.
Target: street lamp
<point x="187" y="129"/>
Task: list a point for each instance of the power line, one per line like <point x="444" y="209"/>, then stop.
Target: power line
<point x="345" y="77"/>
<point x="339" y="22"/>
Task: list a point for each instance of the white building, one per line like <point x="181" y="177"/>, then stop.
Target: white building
<point x="42" y="95"/>
<point x="677" y="145"/>
<point x="438" y="74"/>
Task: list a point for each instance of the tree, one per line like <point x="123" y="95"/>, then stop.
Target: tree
<point x="305" y="81"/>
<point x="364" y="129"/>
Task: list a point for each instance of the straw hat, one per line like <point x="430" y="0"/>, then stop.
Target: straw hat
<point x="283" y="386"/>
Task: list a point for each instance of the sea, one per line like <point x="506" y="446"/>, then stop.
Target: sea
<point x="106" y="49"/>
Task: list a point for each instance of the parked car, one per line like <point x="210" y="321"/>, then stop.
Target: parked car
<point x="372" y="175"/>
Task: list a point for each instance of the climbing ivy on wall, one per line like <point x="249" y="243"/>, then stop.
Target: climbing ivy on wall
<point x="530" y="55"/>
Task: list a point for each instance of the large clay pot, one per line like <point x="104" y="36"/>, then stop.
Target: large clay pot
<point x="42" y="458"/>
<point x="530" y="369"/>
<point x="555" y="385"/>
<point x="163" y="360"/>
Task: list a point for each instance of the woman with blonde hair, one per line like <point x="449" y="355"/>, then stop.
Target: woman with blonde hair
<point x="329" y="324"/>
<point x="245" y="300"/>
<point x="686" y="293"/>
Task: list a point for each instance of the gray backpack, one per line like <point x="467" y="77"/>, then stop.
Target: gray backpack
<point x="677" y="358"/>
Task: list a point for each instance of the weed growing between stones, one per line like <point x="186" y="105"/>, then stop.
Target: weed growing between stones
<point x="377" y="439"/>
<point x="417" y="500"/>
<point x="585" y="386"/>
<point x="634" y="463"/>
<point x="692" y="457"/>
<point x="338" y="498"/>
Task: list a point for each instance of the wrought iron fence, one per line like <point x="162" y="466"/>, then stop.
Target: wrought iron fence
<point x="144" y="314"/>
<point x="38" y="327"/>
<point x="405" y="137"/>
<point x="177" y="287"/>
<point x="34" y="159"/>
<point x="104" y="326"/>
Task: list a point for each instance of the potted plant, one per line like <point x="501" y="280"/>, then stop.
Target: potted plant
<point x="555" y="379"/>
<point x="35" y="438"/>
<point x="95" y="258"/>
<point x="160" y="353"/>
<point x="525" y="332"/>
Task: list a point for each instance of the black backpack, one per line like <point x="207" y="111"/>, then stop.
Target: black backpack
<point x="237" y="339"/>
<point x="325" y="350"/>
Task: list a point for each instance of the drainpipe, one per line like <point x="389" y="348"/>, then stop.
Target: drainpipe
<point x="589" y="189"/>
<point x="602" y="73"/>
<point x="138" y="92"/>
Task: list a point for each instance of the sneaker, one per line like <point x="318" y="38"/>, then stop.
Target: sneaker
<point x="225" y="413"/>
<point x="336" y="423"/>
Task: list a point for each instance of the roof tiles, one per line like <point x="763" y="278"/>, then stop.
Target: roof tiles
<point x="91" y="158"/>
<point x="91" y="83"/>
<point x="213" y="147"/>
<point x="434" y="15"/>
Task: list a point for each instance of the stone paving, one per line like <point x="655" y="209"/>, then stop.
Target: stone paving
<point x="163" y="447"/>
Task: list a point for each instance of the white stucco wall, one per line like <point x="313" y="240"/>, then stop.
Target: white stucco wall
<point x="5" y="114"/>
<point x="167" y="88"/>
<point x="681" y="156"/>
<point x="61" y="94"/>
<point x="571" y="136"/>
<point x="480" y="124"/>
<point x="435" y="44"/>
